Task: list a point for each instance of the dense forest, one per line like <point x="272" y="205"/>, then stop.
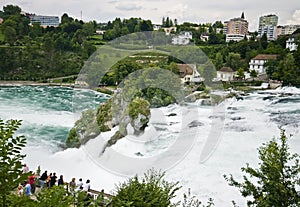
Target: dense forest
<point x="31" y="52"/>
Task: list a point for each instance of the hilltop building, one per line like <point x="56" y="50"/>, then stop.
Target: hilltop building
<point x="258" y="63"/>
<point x="268" y="25"/>
<point x="45" y="21"/>
<point x="189" y="73"/>
<point x="289" y="29"/>
<point x="293" y="41"/>
<point x="236" y="28"/>
<point x="183" y="38"/>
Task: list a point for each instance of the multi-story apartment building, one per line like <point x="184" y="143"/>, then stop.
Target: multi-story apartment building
<point x="45" y="21"/>
<point x="268" y="25"/>
<point x="289" y="29"/>
<point x="236" y="28"/>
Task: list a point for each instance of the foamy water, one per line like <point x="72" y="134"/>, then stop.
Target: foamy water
<point x="246" y="125"/>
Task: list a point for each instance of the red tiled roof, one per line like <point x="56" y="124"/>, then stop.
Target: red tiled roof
<point x="226" y="69"/>
<point x="265" y="57"/>
<point x="185" y="69"/>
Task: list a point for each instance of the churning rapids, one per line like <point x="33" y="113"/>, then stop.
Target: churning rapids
<point x="48" y="114"/>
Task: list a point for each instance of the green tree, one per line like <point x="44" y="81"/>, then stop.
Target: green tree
<point x="276" y="181"/>
<point x="240" y="73"/>
<point x="10" y="35"/>
<point x="57" y="196"/>
<point x="273" y="70"/>
<point x="10" y="10"/>
<point x="151" y="190"/>
<point x="11" y="173"/>
<point x="264" y="41"/>
<point x="218" y="62"/>
<point x="288" y="68"/>
<point x="214" y="39"/>
<point x="234" y="61"/>
<point x="253" y="74"/>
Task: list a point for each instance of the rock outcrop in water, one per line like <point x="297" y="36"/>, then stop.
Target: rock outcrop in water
<point x="115" y="112"/>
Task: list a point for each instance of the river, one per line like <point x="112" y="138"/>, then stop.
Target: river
<point x="48" y="114"/>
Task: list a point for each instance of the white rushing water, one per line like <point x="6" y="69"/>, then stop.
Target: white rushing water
<point x="47" y="116"/>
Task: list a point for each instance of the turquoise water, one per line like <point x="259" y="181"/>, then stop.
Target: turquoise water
<point x="47" y="113"/>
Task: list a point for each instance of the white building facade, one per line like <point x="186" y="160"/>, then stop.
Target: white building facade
<point x="225" y="74"/>
<point x="258" y="63"/>
<point x="268" y="26"/>
<point x="291" y="44"/>
<point x="183" y="38"/>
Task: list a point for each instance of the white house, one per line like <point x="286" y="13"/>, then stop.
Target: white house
<point x="291" y="43"/>
<point x="189" y="73"/>
<point x="204" y="37"/>
<point x="225" y="74"/>
<point x="258" y="63"/>
<point x="183" y="38"/>
<point x="100" y="32"/>
<point x="156" y="27"/>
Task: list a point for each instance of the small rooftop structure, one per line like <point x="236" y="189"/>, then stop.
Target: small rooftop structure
<point x="265" y="57"/>
<point x="225" y="74"/>
<point x="189" y="73"/>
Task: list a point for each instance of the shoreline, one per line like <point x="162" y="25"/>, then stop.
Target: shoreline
<point x="33" y="83"/>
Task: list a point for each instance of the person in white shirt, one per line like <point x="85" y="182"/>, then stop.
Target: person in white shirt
<point x="87" y="186"/>
<point x="79" y="185"/>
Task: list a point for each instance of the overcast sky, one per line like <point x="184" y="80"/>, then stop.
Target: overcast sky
<point x="198" y="11"/>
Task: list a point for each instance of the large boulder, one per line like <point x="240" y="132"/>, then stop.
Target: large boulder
<point x="139" y="113"/>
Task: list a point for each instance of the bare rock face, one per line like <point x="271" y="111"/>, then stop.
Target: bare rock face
<point x="140" y="123"/>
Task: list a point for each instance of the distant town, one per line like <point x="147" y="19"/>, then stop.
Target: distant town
<point x="271" y="52"/>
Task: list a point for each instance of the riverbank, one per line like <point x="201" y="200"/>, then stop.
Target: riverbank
<point x="33" y="83"/>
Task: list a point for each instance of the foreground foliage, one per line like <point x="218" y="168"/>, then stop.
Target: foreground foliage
<point x="11" y="173"/>
<point x="276" y="181"/>
<point x="151" y="190"/>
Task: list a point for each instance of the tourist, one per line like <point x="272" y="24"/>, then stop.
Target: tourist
<point x="53" y="180"/>
<point x="48" y="180"/>
<point x="27" y="189"/>
<point x="31" y="181"/>
<point x="20" y="190"/>
<point x="72" y="185"/>
<point x="60" y="181"/>
<point x="25" y="168"/>
<point x="87" y="186"/>
<point x="79" y="185"/>
<point x="43" y="179"/>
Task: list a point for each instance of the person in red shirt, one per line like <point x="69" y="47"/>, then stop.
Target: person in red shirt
<point x="31" y="181"/>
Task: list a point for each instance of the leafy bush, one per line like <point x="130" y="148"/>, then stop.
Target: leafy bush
<point x="150" y="191"/>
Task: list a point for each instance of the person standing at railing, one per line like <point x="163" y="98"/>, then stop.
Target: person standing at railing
<point x="79" y="185"/>
<point x="87" y="186"/>
<point x="53" y="180"/>
<point x="31" y="181"/>
<point x="60" y="180"/>
<point x="72" y="185"/>
<point x="43" y="179"/>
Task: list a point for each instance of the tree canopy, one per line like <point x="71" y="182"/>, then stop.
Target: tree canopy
<point x="276" y="180"/>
